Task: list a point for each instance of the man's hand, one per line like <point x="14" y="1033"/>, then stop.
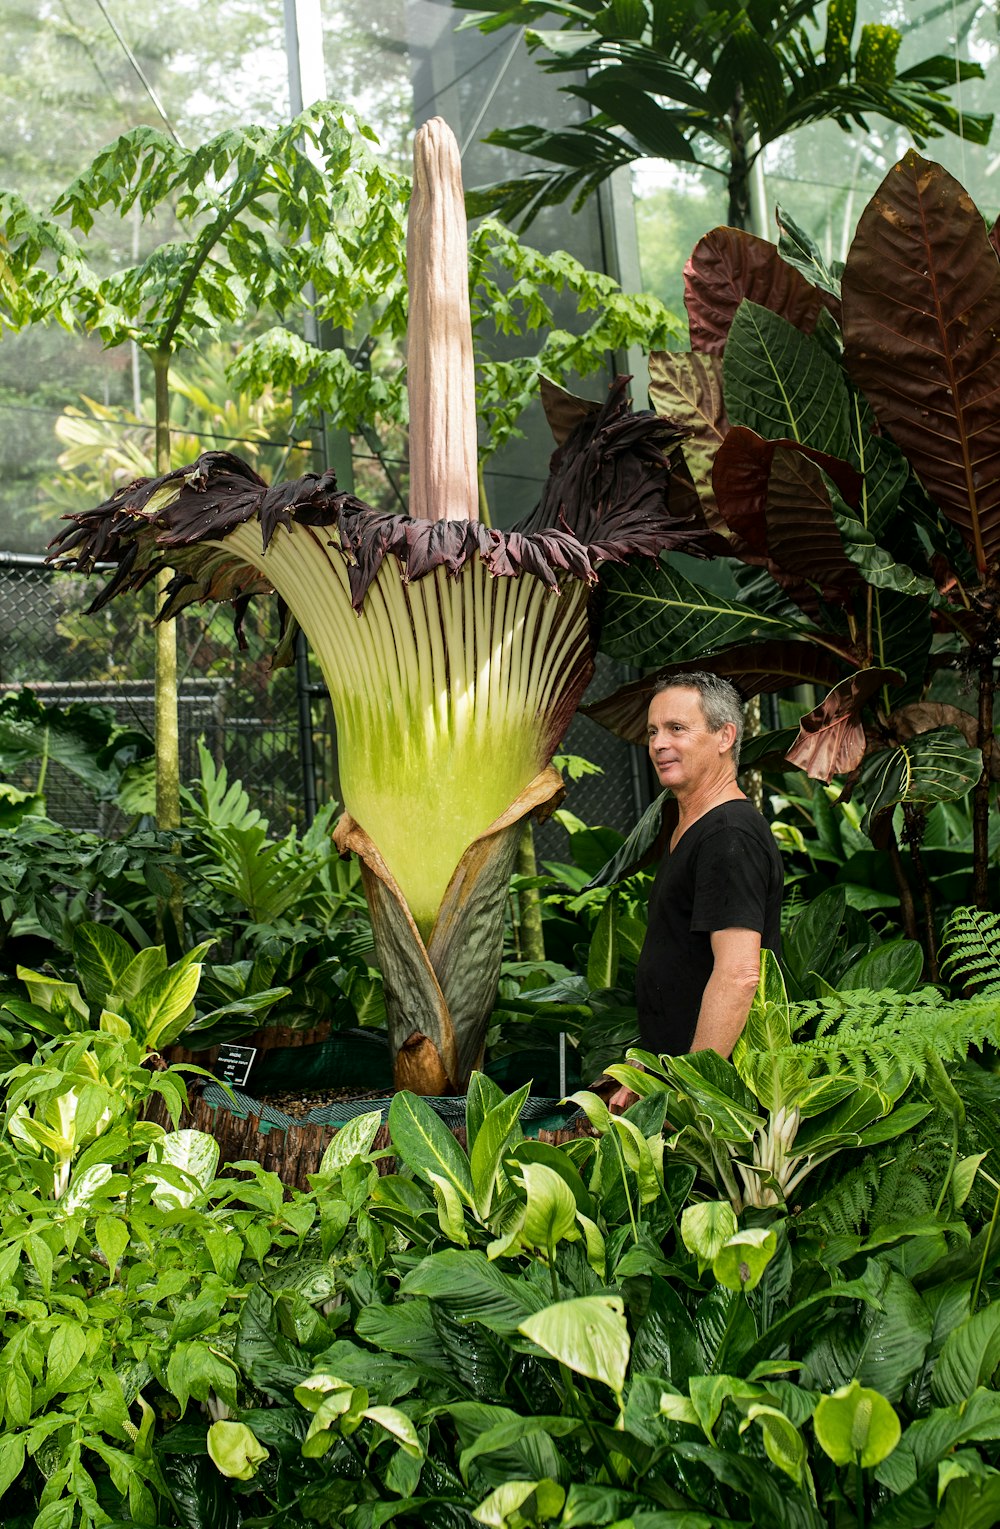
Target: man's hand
<point x="621" y="1099"/>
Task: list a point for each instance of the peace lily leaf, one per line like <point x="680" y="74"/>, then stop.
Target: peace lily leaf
<point x="783" y="1442"/>
<point x="856" y="1423"/>
<point x="969" y="1358"/>
<point x="741" y="1261"/>
<point x="709" y="1393"/>
<point x="556" y="1159"/>
<point x="471" y="1289"/>
<point x="532" y="1502"/>
<point x="706" y="1228"/>
<point x="589" y="1335"/>
<point x="551" y="1208"/>
<point x="933" y="767"/>
<point x="234" y="1451"/>
<point x="964" y="1177"/>
<point x="399" y="1426"/>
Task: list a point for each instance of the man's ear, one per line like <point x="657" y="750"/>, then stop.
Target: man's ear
<point x="727" y="737"/>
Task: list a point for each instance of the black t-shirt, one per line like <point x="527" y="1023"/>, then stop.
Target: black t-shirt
<point x="726" y="873"/>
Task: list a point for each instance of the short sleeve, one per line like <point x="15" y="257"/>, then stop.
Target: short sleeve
<point x="732" y="875"/>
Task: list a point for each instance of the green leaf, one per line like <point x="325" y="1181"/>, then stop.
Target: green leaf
<point x="352" y="1140"/>
<point x="483" y="1096"/>
<point x="165" y="1005"/>
<point x="895" y="964"/>
<point x="784" y="384"/>
<point x="969" y="1358"/>
<point x="426" y="1144"/>
<point x="706" y="1228"/>
<point x="112" y="1236"/>
<point x="11" y="1458"/>
<point x="589" y="1335"/>
<point x="521" y="1502"/>
<point x="783" y="1442"/>
<point x="101" y="956"/>
<point x="550" y="1214"/>
<point x="654" y="616"/>
<point x="194" y="1155"/>
<point x="235" y="1451"/>
<point x="937" y="766"/>
<point x="741" y="1261"/>
<point x="856" y="1423"/>
<point x="451" y="1217"/>
<point x="471" y="1289"/>
<point x="499" y="1127"/>
<point x="602" y="961"/>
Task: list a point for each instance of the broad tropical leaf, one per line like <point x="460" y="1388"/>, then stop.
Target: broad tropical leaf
<point x="655" y="616"/>
<point x="427" y="1146"/>
<point x="933" y="767"/>
<point x="831" y="739"/>
<point x="687" y="389"/>
<point x="728" y="265"/>
<point x="783" y="384"/>
<point x="798" y="249"/>
<point x="589" y="1335"/>
<point x="922" y="281"/>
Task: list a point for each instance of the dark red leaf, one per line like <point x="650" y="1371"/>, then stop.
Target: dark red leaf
<point x="921" y="294"/>
<point x="687" y="390"/>
<point x="832" y="737"/>
<point x="729" y="265"/>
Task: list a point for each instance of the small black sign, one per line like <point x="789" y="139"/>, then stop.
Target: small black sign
<point x="234" y="1064"/>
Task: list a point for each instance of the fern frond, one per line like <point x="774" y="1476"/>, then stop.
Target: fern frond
<point x="876" y="1035"/>
<point x="971" y="946"/>
<point x="896" y="1184"/>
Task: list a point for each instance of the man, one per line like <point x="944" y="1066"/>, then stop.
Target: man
<point x="716" y="899"/>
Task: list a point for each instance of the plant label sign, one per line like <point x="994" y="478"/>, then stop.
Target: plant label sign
<point x="234" y="1064"/>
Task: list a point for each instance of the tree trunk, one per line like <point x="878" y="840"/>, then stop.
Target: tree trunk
<point x="981" y="792"/>
<point x="738" y="215"/>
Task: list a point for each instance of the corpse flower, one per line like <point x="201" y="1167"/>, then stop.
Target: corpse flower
<point x="455" y="654"/>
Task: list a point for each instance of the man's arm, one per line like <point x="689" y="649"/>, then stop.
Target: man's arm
<point x="729" y="991"/>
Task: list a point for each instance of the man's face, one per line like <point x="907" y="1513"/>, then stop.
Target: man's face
<point x="683" y="751"/>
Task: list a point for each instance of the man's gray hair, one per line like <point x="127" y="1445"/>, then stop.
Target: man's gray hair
<point x="720" y="701"/>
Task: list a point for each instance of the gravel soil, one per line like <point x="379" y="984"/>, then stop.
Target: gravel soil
<point x="299" y="1105"/>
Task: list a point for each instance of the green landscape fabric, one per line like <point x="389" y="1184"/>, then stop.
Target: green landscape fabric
<point x="537" y="1115"/>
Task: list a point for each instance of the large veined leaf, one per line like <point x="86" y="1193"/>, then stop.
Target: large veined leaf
<point x="471" y="1289"/>
<point x="754" y="668"/>
<point x="728" y="265"/>
<point x="775" y="495"/>
<point x="937" y="766"/>
<point x="921" y="314"/>
<point x="782" y="384"/>
<point x="831" y="739"/>
<point x="654" y="615"/>
<point x="644" y="844"/>
<point x="798" y="249"/>
<point x="900" y="630"/>
<point x="883" y="468"/>
<point x="687" y="389"/>
<point x="969" y="1358"/>
<point x="101" y="956"/>
<point x="589" y="1335"/>
<point x="427" y="1146"/>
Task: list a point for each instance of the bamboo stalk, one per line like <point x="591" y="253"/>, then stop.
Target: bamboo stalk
<point x="441" y="380"/>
